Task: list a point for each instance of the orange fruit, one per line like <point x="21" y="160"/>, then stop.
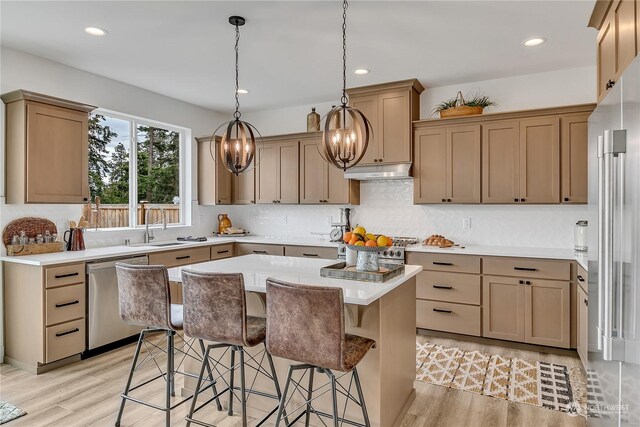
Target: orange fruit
<point x="347" y="236"/>
<point x="389" y="241"/>
<point x="371" y="243"/>
<point x="359" y="243"/>
<point x="353" y="240"/>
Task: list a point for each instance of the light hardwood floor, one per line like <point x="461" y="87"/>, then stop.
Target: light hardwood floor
<point x="87" y="393"/>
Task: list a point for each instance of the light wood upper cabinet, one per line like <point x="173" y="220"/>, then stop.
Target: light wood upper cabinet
<point x="540" y="160"/>
<point x="390" y="107"/>
<point x="583" y="324"/>
<point x="463" y="164"/>
<point x="47" y="149"/>
<point x="430" y="165"/>
<point x="503" y="308"/>
<point x="214" y="180"/>
<point x="244" y="188"/>
<point x="547" y="312"/>
<point x="277" y="172"/>
<point x="321" y="182"/>
<point x="573" y="158"/>
<point x="606" y="53"/>
<point x="501" y="162"/>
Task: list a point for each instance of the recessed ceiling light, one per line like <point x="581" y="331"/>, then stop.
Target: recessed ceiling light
<point x="361" y="71"/>
<point x="535" y="41"/>
<point x="95" y="31"/>
<point x="243" y="91"/>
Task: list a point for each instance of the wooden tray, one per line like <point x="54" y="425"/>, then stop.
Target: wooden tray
<point x="35" y="249"/>
<point x="30" y="225"/>
<point x="341" y="271"/>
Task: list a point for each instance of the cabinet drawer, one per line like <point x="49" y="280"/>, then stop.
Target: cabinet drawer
<point x="445" y="262"/>
<point x="180" y="257"/>
<point x="65" y="303"/>
<point x="582" y="279"/>
<point x="311" y="252"/>
<point x="448" y="317"/>
<point x="260" y="249"/>
<point x="526" y="267"/>
<point x="222" y="251"/>
<point x="451" y="287"/>
<point x="64" y="275"/>
<point x="65" y="340"/>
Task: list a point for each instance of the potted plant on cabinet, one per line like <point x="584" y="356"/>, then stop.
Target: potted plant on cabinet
<point x="458" y="106"/>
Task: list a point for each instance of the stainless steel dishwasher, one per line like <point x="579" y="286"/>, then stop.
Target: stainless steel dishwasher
<point x="105" y="329"/>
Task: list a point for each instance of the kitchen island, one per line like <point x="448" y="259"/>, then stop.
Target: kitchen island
<point x="385" y="312"/>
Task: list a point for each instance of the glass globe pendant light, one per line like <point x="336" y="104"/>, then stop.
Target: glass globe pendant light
<point x="238" y="142"/>
<point x="347" y="131"/>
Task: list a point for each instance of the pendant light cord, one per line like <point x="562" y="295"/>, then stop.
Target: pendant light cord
<point x="344" y="99"/>
<point x="237" y="114"/>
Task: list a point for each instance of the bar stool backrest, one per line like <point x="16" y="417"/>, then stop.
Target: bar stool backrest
<point x="306" y="323"/>
<point x="215" y="307"/>
<point x="143" y="292"/>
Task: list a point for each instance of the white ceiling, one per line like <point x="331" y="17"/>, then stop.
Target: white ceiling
<point x="290" y="52"/>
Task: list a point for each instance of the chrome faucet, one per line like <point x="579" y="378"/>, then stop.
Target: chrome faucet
<point x="148" y="234"/>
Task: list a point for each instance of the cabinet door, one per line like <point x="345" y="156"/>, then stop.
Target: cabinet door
<point x="463" y="164"/>
<point x="501" y="162"/>
<point x="547" y="313"/>
<point x="206" y="173"/>
<point x="287" y="168"/>
<point x="267" y="174"/>
<point x="244" y="188"/>
<point x="369" y="106"/>
<point x="606" y="52"/>
<point x="313" y="173"/>
<point x="574" y="159"/>
<point x="540" y="160"/>
<point x="339" y="190"/>
<point x="223" y="182"/>
<point x="57" y="155"/>
<point x="583" y="325"/>
<point x="394" y="145"/>
<point x="624" y="12"/>
<point x="430" y="165"/>
<point x="503" y="308"/>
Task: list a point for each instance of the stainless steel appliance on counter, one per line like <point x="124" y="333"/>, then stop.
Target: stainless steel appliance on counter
<point x="613" y="368"/>
<point x="393" y="255"/>
<point x="104" y="326"/>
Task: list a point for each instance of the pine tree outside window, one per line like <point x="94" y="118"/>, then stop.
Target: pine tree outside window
<point x="136" y="164"/>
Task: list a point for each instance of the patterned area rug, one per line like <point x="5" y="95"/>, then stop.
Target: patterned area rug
<point x="542" y="384"/>
<point x="9" y="412"/>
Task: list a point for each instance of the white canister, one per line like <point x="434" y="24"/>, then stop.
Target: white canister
<point x="351" y="257"/>
<point x="580" y="236"/>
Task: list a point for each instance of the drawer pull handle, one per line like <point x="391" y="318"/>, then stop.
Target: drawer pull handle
<point x="64" y="304"/>
<point x="311" y="255"/>
<point x="442" y="287"/>
<point x="525" y="269"/>
<point x="60" y="334"/>
<point x="580" y="278"/>
<point x="260" y="252"/>
<point x="62" y="276"/>
<point x="442" y="263"/>
<point x="183" y="257"/>
<point x="442" y="310"/>
<point x="224" y="252"/>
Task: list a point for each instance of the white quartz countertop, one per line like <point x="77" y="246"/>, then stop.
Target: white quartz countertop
<point x="141" y="249"/>
<point x="257" y="268"/>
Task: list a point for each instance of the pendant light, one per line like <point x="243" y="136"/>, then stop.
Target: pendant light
<point x="347" y="131"/>
<point x="238" y="142"/>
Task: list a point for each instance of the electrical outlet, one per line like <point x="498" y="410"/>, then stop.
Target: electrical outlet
<point x="466" y="223"/>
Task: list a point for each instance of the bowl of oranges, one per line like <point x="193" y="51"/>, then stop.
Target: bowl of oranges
<point x="359" y="240"/>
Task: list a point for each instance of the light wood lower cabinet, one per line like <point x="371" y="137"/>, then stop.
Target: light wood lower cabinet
<point x="311" y="252"/>
<point x="583" y="325"/>
<point x="450" y="287"/>
<point x="448" y="317"/>
<point x="180" y="257"/>
<point x="547" y="311"/>
<point x="503" y="303"/>
<point x="222" y="251"/>
<point x="258" y="249"/>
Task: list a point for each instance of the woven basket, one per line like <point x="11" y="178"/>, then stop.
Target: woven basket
<point x="460" y="109"/>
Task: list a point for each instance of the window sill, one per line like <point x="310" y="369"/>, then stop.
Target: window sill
<point x="140" y="228"/>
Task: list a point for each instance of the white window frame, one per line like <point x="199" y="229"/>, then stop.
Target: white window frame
<point x="184" y="154"/>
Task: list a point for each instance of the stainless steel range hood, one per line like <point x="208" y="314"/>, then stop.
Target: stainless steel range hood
<point x="375" y="172"/>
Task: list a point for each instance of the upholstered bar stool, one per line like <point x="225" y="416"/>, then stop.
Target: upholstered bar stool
<point x="145" y="300"/>
<point x="306" y="324"/>
<point x="215" y="309"/>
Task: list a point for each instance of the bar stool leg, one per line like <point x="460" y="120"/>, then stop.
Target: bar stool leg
<point x="169" y="386"/>
<point x="128" y="385"/>
<point x="309" y="396"/>
<point x="276" y="383"/>
<point x="243" y="391"/>
<point x="205" y="363"/>
<point x="283" y="399"/>
<point x="206" y="359"/>
<point x="171" y="375"/>
<point x="365" y="414"/>
<point x="334" y="397"/>
<point x="232" y="374"/>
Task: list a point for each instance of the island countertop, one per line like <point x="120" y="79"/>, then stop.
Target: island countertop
<point x="257" y="268"/>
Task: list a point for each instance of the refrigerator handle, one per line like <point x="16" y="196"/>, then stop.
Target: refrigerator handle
<point x="601" y="242"/>
<point x="614" y="144"/>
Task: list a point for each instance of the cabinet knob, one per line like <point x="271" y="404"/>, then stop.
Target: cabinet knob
<point x="449" y="200"/>
<point x="566" y="199"/>
<point x="610" y="84"/>
<point x="444" y="200"/>
<point x="515" y="200"/>
<point x="85" y="199"/>
<point x="375" y="160"/>
<point x="379" y="160"/>
<point x="586" y="303"/>
<point x="522" y="200"/>
<point x="521" y="282"/>
<point x="527" y="282"/>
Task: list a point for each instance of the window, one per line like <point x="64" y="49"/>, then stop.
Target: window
<point x="136" y="171"/>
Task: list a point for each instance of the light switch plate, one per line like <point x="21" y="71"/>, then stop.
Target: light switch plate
<point x="466" y="223"/>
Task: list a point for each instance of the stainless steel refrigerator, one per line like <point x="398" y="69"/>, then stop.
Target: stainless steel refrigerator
<point x="613" y="368"/>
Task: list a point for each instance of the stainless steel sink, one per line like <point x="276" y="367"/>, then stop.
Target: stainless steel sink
<point x="160" y="244"/>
